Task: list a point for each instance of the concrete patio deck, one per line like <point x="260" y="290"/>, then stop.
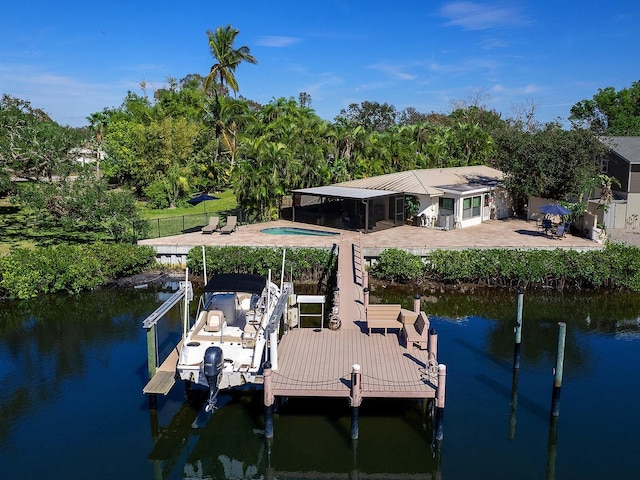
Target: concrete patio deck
<point x="510" y="233"/>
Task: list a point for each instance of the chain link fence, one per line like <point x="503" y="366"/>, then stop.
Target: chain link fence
<point x="167" y="226"/>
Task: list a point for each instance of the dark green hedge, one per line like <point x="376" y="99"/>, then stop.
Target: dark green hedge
<point x="615" y="266"/>
<point x="25" y="273"/>
<point x="301" y="264"/>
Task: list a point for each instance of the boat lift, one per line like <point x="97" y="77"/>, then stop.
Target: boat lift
<point x="162" y="379"/>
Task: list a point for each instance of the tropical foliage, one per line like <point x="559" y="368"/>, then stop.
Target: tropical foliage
<point x="610" y="112"/>
<point x="615" y="266"/>
<point x="26" y="273"/>
<point x="303" y="264"/>
<point x="194" y="135"/>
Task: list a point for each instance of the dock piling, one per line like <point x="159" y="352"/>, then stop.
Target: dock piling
<point x="152" y="355"/>
<point x="268" y="401"/>
<point x="432" y="345"/>
<point x="518" y="331"/>
<point x="416" y="303"/>
<point x="440" y="397"/>
<point x="558" y="370"/>
<point x="355" y="400"/>
<point x="513" y="404"/>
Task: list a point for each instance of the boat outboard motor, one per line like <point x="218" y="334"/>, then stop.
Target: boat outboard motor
<point x="213" y="364"/>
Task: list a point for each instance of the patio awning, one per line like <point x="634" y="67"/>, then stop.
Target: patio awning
<point x="345" y="192"/>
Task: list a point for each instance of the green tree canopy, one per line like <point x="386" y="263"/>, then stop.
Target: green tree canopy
<point x="610" y="112"/>
<point x="32" y="146"/>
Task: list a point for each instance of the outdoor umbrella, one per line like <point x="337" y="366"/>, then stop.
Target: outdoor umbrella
<point x="202" y="198"/>
<point x="554" y="209"/>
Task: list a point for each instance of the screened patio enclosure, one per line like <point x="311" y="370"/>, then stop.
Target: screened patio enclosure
<point x="348" y="208"/>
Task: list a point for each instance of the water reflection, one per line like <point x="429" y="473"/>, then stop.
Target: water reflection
<point x="312" y="440"/>
<point x="73" y="369"/>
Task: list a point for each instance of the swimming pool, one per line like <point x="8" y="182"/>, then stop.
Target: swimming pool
<point x="297" y="231"/>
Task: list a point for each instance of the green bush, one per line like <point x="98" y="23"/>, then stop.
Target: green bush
<point x="615" y="266"/>
<point x="302" y="264"/>
<point x="27" y="273"/>
<point x="398" y="265"/>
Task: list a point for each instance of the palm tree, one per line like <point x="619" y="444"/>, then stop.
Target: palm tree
<point x="221" y="46"/>
<point x="222" y="73"/>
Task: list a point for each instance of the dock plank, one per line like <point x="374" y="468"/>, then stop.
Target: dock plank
<point x="387" y="370"/>
<point x="161" y="383"/>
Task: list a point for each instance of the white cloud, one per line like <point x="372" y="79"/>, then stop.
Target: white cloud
<point x="277" y="41"/>
<point x="481" y="16"/>
<point x="522" y="90"/>
<point x="67" y="99"/>
<point x="393" y="71"/>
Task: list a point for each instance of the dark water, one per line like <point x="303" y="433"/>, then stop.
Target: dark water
<point x="72" y="372"/>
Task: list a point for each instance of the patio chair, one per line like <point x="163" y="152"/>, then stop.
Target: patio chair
<point x="547" y="225"/>
<point x="214" y="223"/>
<point x="232" y="224"/>
<point x="212" y="226"/>
<point x="560" y="231"/>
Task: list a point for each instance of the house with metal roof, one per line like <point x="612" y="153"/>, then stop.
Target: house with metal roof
<point x="446" y="198"/>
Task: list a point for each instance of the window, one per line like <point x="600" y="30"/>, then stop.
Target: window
<point x="445" y="206"/>
<point x="471" y="207"/>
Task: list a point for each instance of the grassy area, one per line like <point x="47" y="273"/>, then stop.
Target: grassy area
<point x="18" y="230"/>
<point x="227" y="202"/>
<point x="17" y="226"/>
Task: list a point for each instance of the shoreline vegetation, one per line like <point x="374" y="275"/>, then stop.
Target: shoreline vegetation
<point x="26" y="273"/>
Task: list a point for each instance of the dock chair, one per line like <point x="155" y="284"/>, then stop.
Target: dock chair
<point x="214" y="223"/>
<point x="232" y="224"/>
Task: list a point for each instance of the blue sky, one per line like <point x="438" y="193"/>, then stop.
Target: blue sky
<point x="74" y="58"/>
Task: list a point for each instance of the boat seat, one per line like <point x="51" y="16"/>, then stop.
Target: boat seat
<point x="215" y="318"/>
<point x="245" y="302"/>
<point x="249" y="334"/>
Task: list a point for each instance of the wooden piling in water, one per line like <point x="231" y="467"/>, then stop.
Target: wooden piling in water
<point x="268" y="401"/>
<point x="518" y="331"/>
<point x="416" y="303"/>
<point x="432" y="345"/>
<point x="152" y="354"/>
<point x="558" y="371"/>
<point x="513" y="404"/>
<point x="355" y="400"/>
<point x="440" y="397"/>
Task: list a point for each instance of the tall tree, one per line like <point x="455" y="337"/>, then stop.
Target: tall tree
<point x="373" y="116"/>
<point x="610" y="112"/>
<point x="33" y="146"/>
<point x="222" y="74"/>
<point x="222" y="49"/>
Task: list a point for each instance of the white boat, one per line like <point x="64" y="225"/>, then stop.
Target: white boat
<point x="236" y="330"/>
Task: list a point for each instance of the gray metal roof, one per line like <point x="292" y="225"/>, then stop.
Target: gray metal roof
<point x="344" y="192"/>
<point x="626" y="147"/>
<point x="430" y="181"/>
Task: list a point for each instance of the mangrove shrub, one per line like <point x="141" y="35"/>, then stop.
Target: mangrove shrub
<point x="615" y="266"/>
<point x="301" y="264"/>
<point x="26" y="273"/>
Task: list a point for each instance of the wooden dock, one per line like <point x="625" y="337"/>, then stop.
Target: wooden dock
<point x="165" y="377"/>
<point x="319" y="362"/>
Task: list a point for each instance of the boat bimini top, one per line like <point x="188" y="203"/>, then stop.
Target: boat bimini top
<point x="236" y="282"/>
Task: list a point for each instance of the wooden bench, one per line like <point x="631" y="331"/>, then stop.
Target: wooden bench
<point x="415" y="332"/>
<point x="385" y="316"/>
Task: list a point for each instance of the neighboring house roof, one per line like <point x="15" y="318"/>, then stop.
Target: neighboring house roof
<point x="627" y="148"/>
<point x="432" y="182"/>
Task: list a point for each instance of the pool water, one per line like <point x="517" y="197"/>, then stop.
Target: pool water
<point x="297" y="231"/>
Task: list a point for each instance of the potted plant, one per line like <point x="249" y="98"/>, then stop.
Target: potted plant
<point x="411" y="208"/>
